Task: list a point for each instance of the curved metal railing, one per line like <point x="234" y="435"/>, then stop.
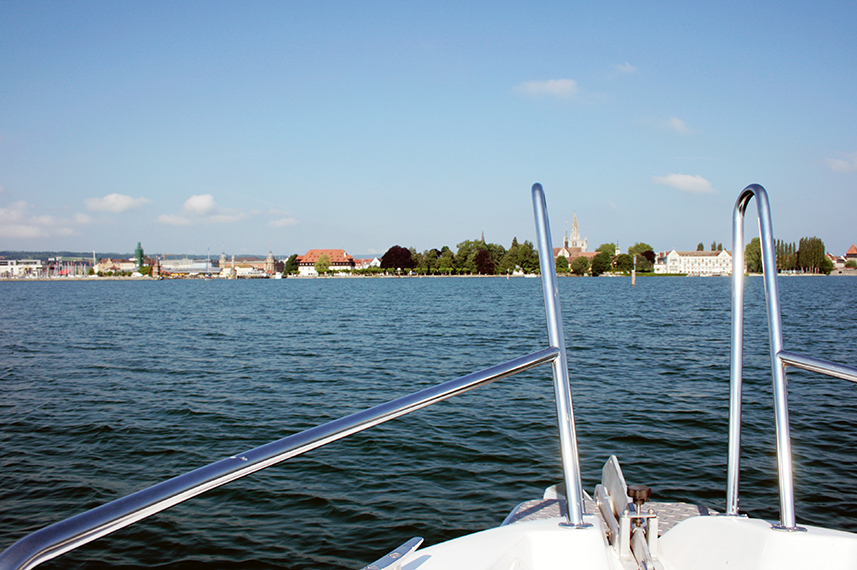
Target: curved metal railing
<point x="61" y="537"/>
<point x="780" y="358"/>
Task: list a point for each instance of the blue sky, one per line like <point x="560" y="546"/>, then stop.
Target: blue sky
<point x="253" y="126"/>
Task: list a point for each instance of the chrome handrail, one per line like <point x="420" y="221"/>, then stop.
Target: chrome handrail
<point x="818" y="365"/>
<point x="61" y="537"/>
<point x="562" y="389"/>
<point x="779" y="358"/>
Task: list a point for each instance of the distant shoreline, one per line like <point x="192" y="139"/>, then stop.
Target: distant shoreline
<point x="87" y="279"/>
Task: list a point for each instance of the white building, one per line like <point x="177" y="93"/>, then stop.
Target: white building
<point x="187" y="265"/>
<point x="106" y="265"/>
<point x="339" y="261"/>
<point x="573" y="246"/>
<point x="20" y="268"/>
<point x="695" y="262"/>
<point x="574" y="243"/>
<point x="366" y="263"/>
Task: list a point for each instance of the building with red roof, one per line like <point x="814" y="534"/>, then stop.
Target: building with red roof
<point x="339" y="261"/>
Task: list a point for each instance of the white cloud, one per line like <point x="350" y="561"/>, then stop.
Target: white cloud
<point x="694" y="184"/>
<point x="673" y="124"/>
<point x="21" y="231"/>
<point x="17" y="223"/>
<point x="14" y="222"/>
<point x="624" y="69"/>
<point x="677" y="125"/>
<point x="848" y="164"/>
<point x="115" y="203"/>
<point x="283" y="222"/>
<point x="559" y="88"/>
<point x="202" y="209"/>
<point x="14" y="213"/>
<point x="43" y="220"/>
<point x="201" y="204"/>
<point x="174" y="220"/>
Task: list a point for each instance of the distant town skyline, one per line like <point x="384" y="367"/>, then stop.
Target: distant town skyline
<point x="361" y="125"/>
<point x="556" y="242"/>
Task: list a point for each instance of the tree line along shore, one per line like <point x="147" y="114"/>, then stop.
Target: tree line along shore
<point x="478" y="257"/>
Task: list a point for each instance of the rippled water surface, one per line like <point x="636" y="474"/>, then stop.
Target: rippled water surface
<point x="109" y="387"/>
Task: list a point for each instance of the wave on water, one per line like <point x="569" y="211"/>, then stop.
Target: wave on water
<point x="106" y="394"/>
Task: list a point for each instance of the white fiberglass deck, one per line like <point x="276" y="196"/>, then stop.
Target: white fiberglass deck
<point x="704" y="542"/>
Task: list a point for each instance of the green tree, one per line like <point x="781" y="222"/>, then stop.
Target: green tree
<point x="510" y="259"/>
<point x="608" y="248"/>
<point x="644" y="264"/>
<point x="322" y="266"/>
<point x="700" y="247"/>
<point x="753" y="256"/>
<point x="639" y="248"/>
<point x="719" y="247"/>
<point x="779" y="252"/>
<point x="792" y="263"/>
<point x="416" y="257"/>
<point x="811" y="254"/>
<point x="465" y="259"/>
<point x="291" y="265"/>
<point x="600" y="263"/>
<point x="645" y="256"/>
<point x="714" y="246"/>
<point x="498" y="252"/>
<point x="580" y="265"/>
<point x="624" y="262"/>
<point x="509" y="262"/>
<point x="786" y="255"/>
<point x="528" y="257"/>
<point x="826" y="265"/>
<point x="446" y="262"/>
<point x="562" y="264"/>
<point x="428" y="262"/>
<point x="851" y="264"/>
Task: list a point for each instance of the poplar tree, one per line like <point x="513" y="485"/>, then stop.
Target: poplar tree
<point x="811" y="254"/>
<point x="753" y="256"/>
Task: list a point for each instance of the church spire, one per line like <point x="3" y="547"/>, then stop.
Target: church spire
<point x="575" y="240"/>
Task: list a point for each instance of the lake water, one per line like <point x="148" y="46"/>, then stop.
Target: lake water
<point x="109" y="387"/>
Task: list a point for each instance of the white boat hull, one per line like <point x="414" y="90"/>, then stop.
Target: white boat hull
<point x="698" y="543"/>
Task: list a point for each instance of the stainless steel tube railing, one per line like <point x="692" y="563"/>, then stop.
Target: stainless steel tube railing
<point x="71" y="533"/>
<point x="779" y="358"/>
<point x="61" y="537"/>
<point x="562" y="389"/>
<point x="818" y="365"/>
